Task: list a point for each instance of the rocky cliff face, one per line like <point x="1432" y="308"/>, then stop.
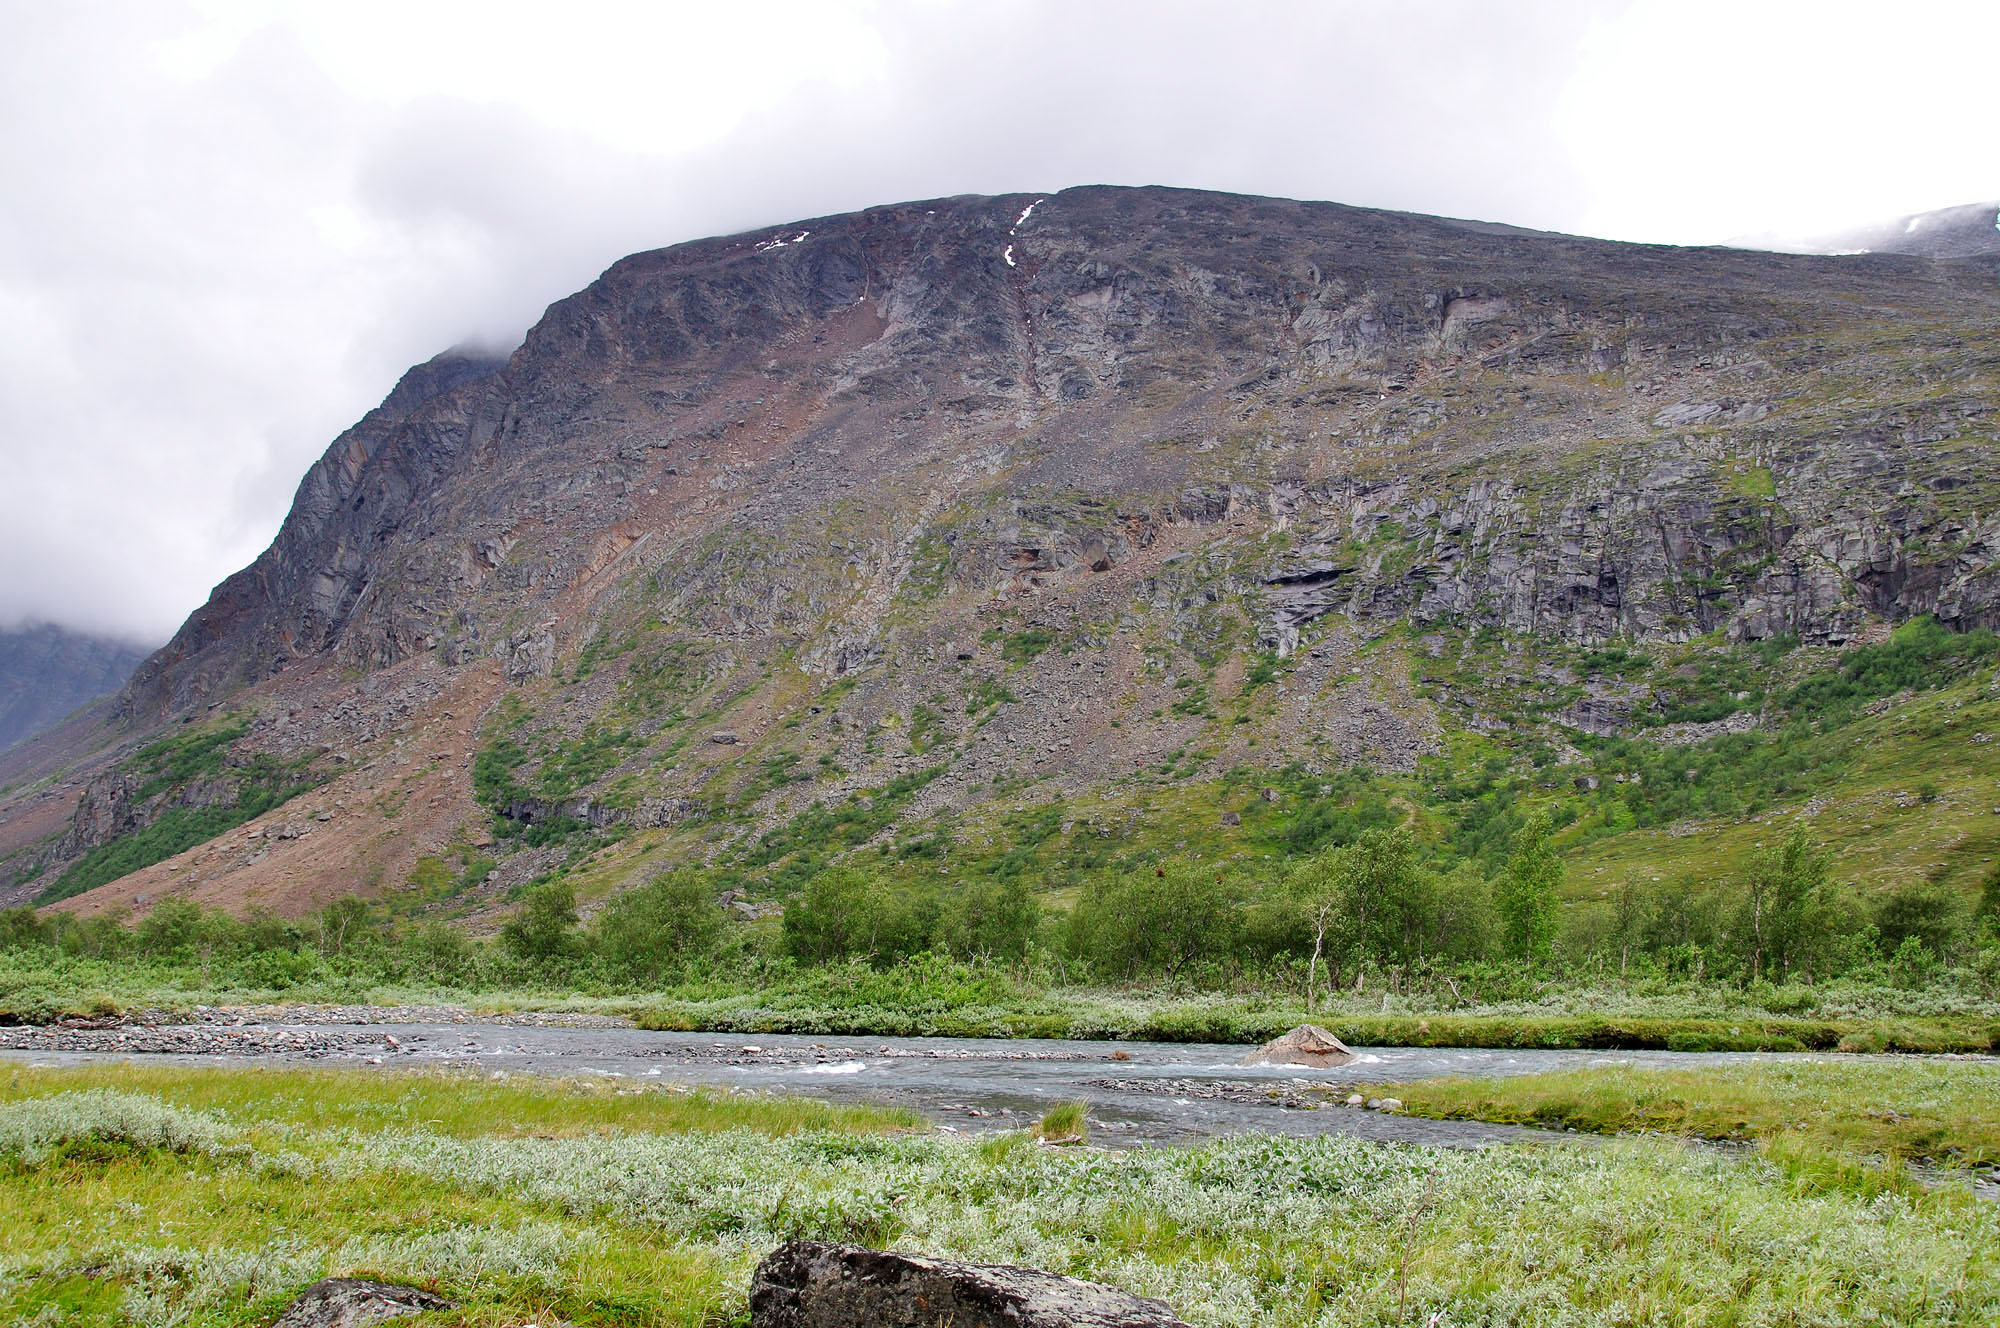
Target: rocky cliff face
<point x="1014" y="488"/>
<point x="47" y="671"/>
<point x="1659" y="445"/>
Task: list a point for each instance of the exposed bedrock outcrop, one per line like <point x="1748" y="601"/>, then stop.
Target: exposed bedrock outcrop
<point x="112" y="805"/>
<point x="648" y="814"/>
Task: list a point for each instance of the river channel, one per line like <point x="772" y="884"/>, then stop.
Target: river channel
<point x="1138" y="1092"/>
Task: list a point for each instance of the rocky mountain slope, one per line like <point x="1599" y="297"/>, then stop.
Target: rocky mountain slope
<point x="48" y="671"/>
<point x="904" y="527"/>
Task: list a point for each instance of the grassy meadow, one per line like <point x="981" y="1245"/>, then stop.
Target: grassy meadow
<point x="198" y="1198"/>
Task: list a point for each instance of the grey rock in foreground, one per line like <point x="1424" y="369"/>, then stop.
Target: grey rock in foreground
<point x="353" y="1302"/>
<point x="812" y="1284"/>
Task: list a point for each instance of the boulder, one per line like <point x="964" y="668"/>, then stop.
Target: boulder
<point x="812" y="1284"/>
<point x="1308" y="1044"/>
<point x="353" y="1302"/>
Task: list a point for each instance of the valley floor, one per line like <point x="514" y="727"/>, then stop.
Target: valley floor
<point x="159" y="1196"/>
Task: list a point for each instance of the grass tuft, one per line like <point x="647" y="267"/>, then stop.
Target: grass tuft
<point x="1067" y="1123"/>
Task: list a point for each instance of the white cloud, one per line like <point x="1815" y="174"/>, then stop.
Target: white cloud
<point x="1699" y="120"/>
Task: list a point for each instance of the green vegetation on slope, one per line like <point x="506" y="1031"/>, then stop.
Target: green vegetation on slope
<point x="259" y="783"/>
<point x="1497" y="867"/>
<point x="1815" y="731"/>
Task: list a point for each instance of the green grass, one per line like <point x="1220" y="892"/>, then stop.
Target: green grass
<point x="986" y="691"/>
<point x="1102" y="1016"/>
<point x="1064" y="1123"/>
<point x="1867" y="773"/>
<point x="452" y="1103"/>
<point x="1934" y="1111"/>
<point x="580" y="1207"/>
<point x="1022" y="646"/>
<point x="228" y="1236"/>
<point x="575" y="765"/>
<point x="1744" y="480"/>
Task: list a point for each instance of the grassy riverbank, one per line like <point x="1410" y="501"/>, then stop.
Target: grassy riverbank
<point x="1939" y="1112"/>
<point x="930" y="995"/>
<point x="1093" y="1015"/>
<point x="208" y="1198"/>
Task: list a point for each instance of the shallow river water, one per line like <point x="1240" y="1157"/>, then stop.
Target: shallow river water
<point x="1138" y="1092"/>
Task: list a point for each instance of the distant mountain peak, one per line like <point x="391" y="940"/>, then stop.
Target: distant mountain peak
<point x="48" y="671"/>
<point x="1966" y="231"/>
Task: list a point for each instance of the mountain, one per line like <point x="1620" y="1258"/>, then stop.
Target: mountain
<point x="1087" y="527"/>
<point x="1957" y="232"/>
<point x="48" y="671"/>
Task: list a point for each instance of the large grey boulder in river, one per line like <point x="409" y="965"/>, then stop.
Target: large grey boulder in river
<point x="1308" y="1045"/>
<point x="812" y="1284"/>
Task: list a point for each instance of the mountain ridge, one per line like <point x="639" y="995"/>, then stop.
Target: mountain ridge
<point x="1108" y="454"/>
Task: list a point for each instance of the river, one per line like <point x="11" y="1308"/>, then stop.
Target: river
<point x="1138" y="1092"/>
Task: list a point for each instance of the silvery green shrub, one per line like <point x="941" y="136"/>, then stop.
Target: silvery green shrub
<point x="32" y="1129"/>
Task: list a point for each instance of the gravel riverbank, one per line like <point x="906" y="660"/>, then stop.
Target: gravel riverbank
<point x="201" y="1040"/>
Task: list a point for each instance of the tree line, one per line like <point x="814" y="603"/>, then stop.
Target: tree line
<point x="1378" y="905"/>
<point x="1381" y="903"/>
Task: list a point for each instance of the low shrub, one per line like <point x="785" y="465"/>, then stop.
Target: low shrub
<point x="39" y="1129"/>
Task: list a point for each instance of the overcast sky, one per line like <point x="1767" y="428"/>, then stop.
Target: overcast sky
<point x="226" y="228"/>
